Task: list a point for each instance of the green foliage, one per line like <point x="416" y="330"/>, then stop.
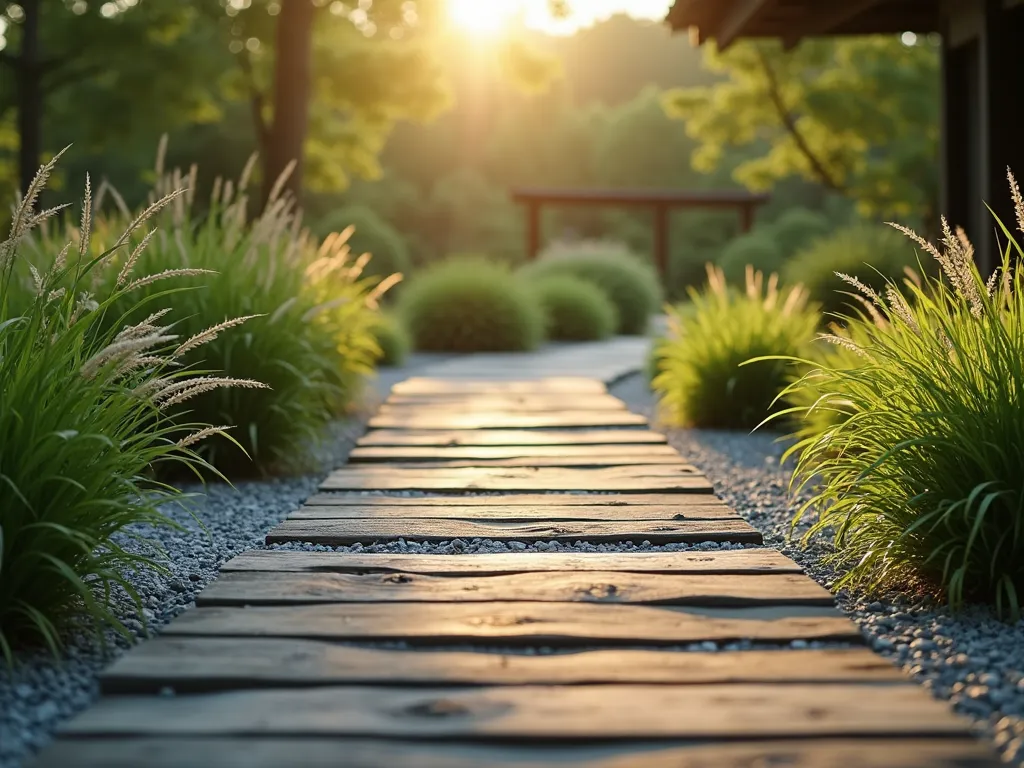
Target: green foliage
<point x="576" y="310"/>
<point x="796" y="228"/>
<point x="392" y="338"/>
<point x="469" y="304"/>
<point x="309" y="336"/>
<point x="875" y="253"/>
<point x="756" y="249"/>
<point x="631" y="284"/>
<point x="703" y="380"/>
<point x="923" y="480"/>
<point x="859" y="116"/>
<point x="83" y="416"/>
<point x="373" y="235"/>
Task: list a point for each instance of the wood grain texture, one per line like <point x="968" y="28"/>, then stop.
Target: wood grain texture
<point x="240" y="589"/>
<point x="566" y="713"/>
<point x="638" y="479"/>
<point x="360" y="531"/>
<point x="529" y="403"/>
<point x="200" y="664"/>
<point x="500" y="419"/>
<point x="371" y="454"/>
<point x="739" y="561"/>
<point x="320" y="752"/>
<point x="509" y="437"/>
<point x="563" y="624"/>
<point x="570" y="462"/>
<point x="679" y="501"/>
<point x="569" y="385"/>
<point x="509" y="513"/>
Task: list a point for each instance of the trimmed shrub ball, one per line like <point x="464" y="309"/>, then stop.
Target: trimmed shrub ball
<point x="630" y="284"/>
<point x="388" y="249"/>
<point x="575" y="310"/>
<point x="797" y="228"/>
<point x="393" y="339"/>
<point x="756" y="249"/>
<point x="469" y="304"/>
<point x="874" y="253"/>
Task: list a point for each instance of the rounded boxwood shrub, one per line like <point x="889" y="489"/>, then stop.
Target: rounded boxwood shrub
<point x="756" y="249"/>
<point x="388" y="249"/>
<point x="875" y="254"/>
<point x="393" y="339"/>
<point x="631" y="284"/>
<point x="469" y="304"/>
<point x="797" y="228"/>
<point x="575" y="310"/>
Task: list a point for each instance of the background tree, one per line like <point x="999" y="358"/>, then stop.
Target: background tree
<point x="859" y="116"/>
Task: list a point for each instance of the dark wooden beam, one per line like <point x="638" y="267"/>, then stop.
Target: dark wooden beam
<point x="827" y="18"/>
<point x="738" y="18"/>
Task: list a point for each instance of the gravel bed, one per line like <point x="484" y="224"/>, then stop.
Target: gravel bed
<point x="41" y="690"/>
<point x="969" y="658"/>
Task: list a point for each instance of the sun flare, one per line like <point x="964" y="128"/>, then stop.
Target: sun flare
<point x="481" y="17"/>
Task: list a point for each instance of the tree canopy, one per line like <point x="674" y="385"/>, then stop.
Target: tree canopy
<point x="857" y="115"/>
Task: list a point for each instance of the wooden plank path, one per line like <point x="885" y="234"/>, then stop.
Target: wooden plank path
<point x="517" y="659"/>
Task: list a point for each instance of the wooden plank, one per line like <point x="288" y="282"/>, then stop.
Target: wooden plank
<point x="563" y="624"/>
<point x="227" y="752"/>
<point x="571" y="385"/>
<point x="240" y="589"/>
<point x="567" y="713"/>
<point x="570" y="462"/>
<point x="201" y="664"/>
<point x="510" y="437"/>
<point x="533" y="403"/>
<point x="638" y="479"/>
<point x="369" y="454"/>
<point x="677" y="501"/>
<point x="500" y="419"/>
<point x="360" y="531"/>
<point x="739" y="561"/>
<point x="507" y="513"/>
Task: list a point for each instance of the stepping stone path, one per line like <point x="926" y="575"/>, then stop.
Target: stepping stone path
<point x="519" y="659"/>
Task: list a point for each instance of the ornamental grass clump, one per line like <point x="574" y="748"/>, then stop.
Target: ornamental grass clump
<point x="702" y="380"/>
<point x="84" y="402"/>
<point x="310" y="333"/>
<point x="923" y="478"/>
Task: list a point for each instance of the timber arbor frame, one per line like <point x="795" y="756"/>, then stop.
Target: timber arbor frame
<point x="661" y="202"/>
<point x="981" y="81"/>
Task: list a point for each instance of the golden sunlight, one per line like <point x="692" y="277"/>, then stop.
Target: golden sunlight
<point x="482" y="17"/>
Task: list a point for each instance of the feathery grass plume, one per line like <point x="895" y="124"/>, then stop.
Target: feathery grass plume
<point x="308" y="310"/>
<point x="702" y="379"/>
<point x="82" y="433"/>
<point x="923" y="477"/>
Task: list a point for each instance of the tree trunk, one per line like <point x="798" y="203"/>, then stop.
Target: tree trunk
<point x="292" y="87"/>
<point x="28" y="78"/>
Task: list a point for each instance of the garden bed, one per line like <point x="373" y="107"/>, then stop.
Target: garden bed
<point x="970" y="658"/>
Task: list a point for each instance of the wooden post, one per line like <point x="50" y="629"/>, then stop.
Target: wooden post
<point x="661" y="254"/>
<point x="746" y="217"/>
<point x="532" y="229"/>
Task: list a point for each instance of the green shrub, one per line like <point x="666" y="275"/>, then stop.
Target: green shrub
<point x="703" y="381"/>
<point x="875" y="253"/>
<point x="797" y="228"/>
<point x="631" y="284"/>
<point x="756" y="249"/>
<point x="392" y="338"/>
<point x="83" y="417"/>
<point x="469" y="304"/>
<point x="309" y="336"/>
<point x="575" y="310"/>
<point x="371" y="234"/>
<point x="924" y="480"/>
